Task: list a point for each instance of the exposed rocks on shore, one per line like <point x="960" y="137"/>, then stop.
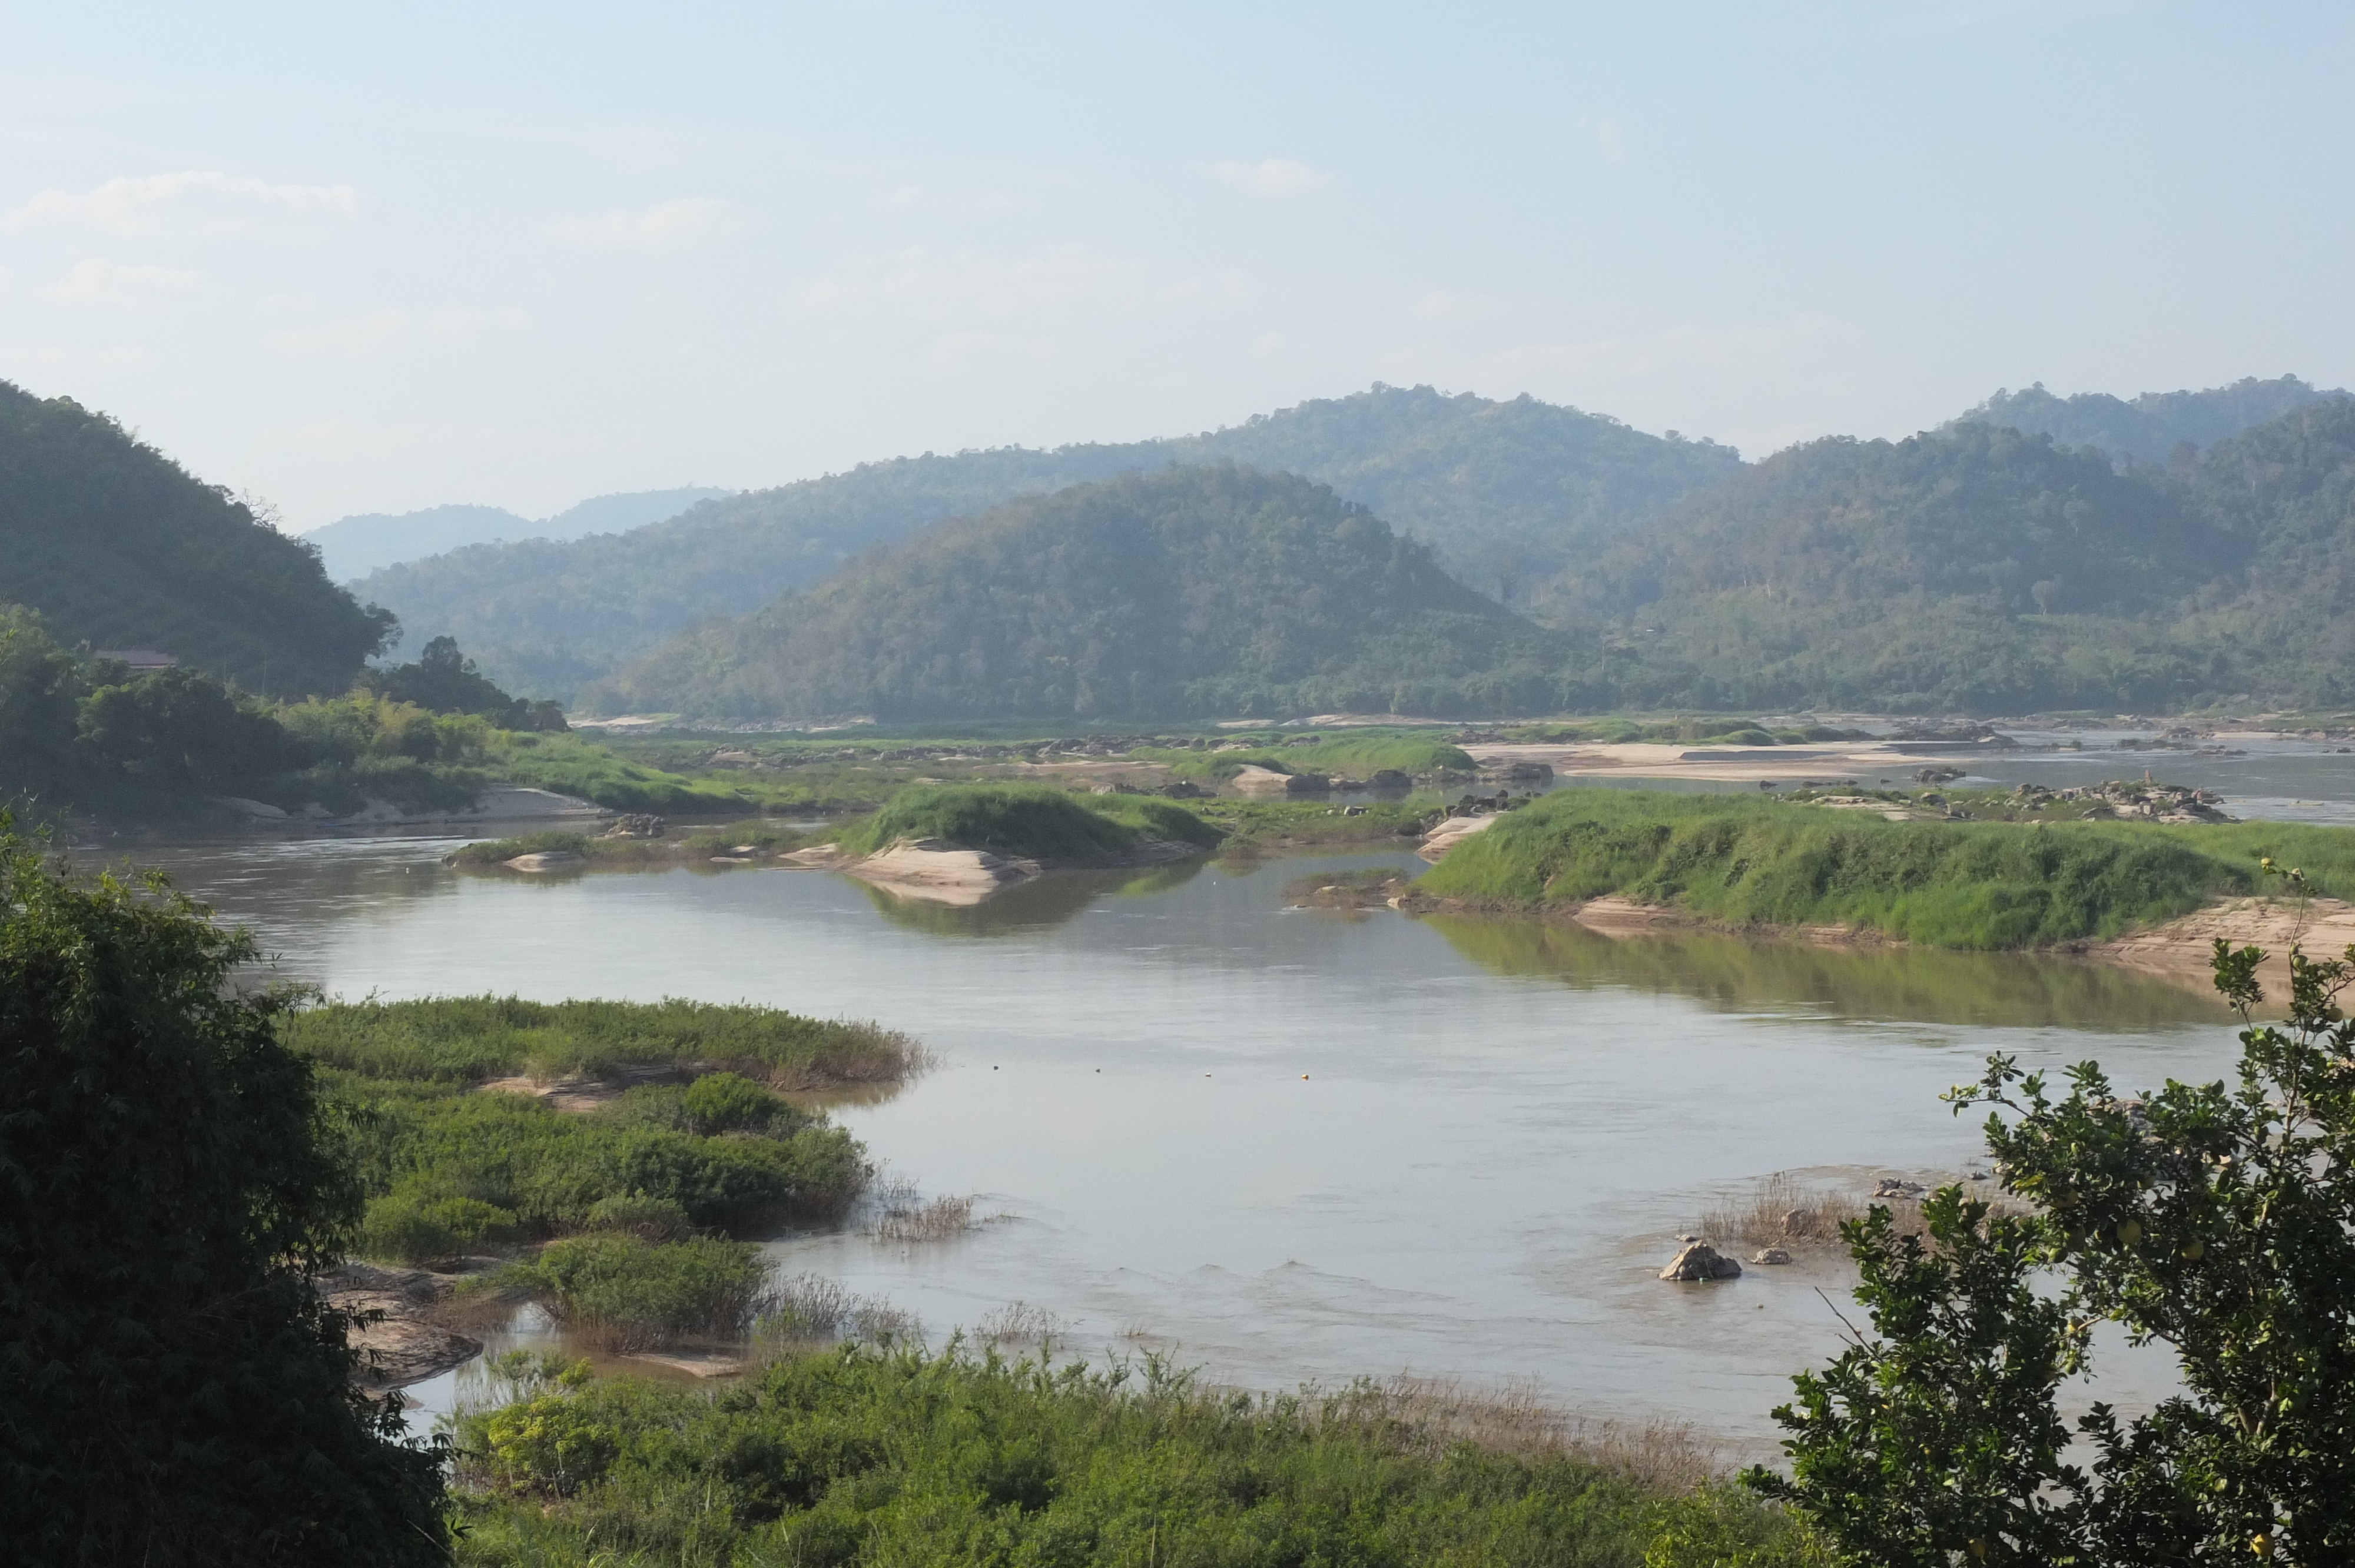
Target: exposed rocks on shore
<point x="2144" y="802"/>
<point x="502" y="803"/>
<point x="546" y="860"/>
<point x="1452" y="832"/>
<point x="1701" y="1261"/>
<point x="404" y="1345"/>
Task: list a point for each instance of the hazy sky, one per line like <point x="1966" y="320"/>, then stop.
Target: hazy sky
<point x="372" y="259"/>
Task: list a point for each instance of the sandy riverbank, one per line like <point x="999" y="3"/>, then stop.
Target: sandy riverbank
<point x="1866" y="762"/>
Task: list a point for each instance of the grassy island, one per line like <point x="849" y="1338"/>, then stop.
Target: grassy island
<point x="1036" y="822"/>
<point x="1984" y="885"/>
<point x="671" y="1121"/>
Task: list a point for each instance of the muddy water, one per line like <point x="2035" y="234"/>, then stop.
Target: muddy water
<point x="1290" y="1144"/>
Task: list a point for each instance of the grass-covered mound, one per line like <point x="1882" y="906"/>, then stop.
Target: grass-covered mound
<point x="1354" y="756"/>
<point x="448" y="1170"/>
<point x="1036" y="821"/>
<point x="626" y="1293"/>
<point x="1953" y="884"/>
<point x="466" y="1040"/>
<point x="860" y="1457"/>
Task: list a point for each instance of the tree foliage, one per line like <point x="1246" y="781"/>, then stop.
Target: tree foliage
<point x="2216" y="1219"/>
<point x="172" y="1388"/>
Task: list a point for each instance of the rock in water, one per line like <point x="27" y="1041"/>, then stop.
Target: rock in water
<point x="1701" y="1261"/>
<point x="1770" y="1255"/>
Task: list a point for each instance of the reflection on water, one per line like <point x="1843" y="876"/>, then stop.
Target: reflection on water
<point x="1037" y="904"/>
<point x="1733" y="974"/>
<point x="1286" y="1146"/>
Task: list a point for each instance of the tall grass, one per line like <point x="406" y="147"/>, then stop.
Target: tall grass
<point x="1034" y="821"/>
<point x="623" y="1293"/>
<point x="1952" y="884"/>
<point x="469" y="1039"/>
<point x="1351" y="754"/>
<point x="859" y="1456"/>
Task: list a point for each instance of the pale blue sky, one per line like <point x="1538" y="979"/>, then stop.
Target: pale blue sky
<point x="364" y="259"/>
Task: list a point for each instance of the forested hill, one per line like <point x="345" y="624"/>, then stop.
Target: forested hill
<point x="2151" y="426"/>
<point x="1504" y="493"/>
<point x="1987" y="570"/>
<point x="1188" y="592"/>
<point x="117" y="546"/>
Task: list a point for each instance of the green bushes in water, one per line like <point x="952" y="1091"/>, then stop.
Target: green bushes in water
<point x="627" y="1293"/>
<point x="469" y="1039"/>
<point x="1034" y="821"/>
<point x="1954" y="885"/>
<point x="862" y="1455"/>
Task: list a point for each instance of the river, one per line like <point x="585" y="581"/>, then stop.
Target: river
<point x="1288" y="1144"/>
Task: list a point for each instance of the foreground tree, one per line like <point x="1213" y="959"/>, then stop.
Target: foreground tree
<point x="172" y="1388"/>
<point x="2217" y="1220"/>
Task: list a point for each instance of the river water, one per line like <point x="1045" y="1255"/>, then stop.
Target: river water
<point x="1289" y="1144"/>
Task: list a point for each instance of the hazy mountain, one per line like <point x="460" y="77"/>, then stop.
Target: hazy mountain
<point x="369" y="541"/>
<point x="1192" y="591"/>
<point x="2150" y="426"/>
<point x="1506" y="495"/>
<point x="117" y="546"/>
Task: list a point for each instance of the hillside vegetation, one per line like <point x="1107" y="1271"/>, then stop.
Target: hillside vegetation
<point x="1982" y="569"/>
<point x="1950" y="885"/>
<point x="1203" y="590"/>
<point x="1504" y="493"/>
<point x="2150" y="426"/>
<point x="118" y="546"/>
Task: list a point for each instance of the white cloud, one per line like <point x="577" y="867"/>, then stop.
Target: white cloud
<point x="95" y="281"/>
<point x="199" y="199"/>
<point x="666" y="226"/>
<point x="376" y="332"/>
<point x="1270" y="176"/>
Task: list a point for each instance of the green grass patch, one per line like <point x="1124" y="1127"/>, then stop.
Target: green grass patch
<point x="447" y="1170"/>
<point x="1952" y="884"/>
<point x="1034" y="820"/>
<point x="625" y="1293"/>
<point x="875" y="1456"/>
<point x="1351" y="755"/>
<point x="574" y="765"/>
<point x="1255" y="825"/>
<point x="465" y="1040"/>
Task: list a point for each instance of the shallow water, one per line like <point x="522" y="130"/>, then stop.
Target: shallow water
<point x="1291" y="1144"/>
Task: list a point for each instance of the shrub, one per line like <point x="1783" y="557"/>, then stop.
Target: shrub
<point x="727" y="1102"/>
<point x="629" y="1294"/>
<point x="649" y="1219"/>
<point x="416" y="1228"/>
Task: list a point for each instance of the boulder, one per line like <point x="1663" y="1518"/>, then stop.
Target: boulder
<point x="1770" y="1255"/>
<point x="636" y="825"/>
<point x="1390" y="778"/>
<point x="1891" y="1187"/>
<point x="1701" y="1261"/>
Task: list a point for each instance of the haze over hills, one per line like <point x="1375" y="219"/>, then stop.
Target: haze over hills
<point x="118" y="546"/>
<point x="1506" y="493"/>
<point x="1188" y="592"/>
<point x="369" y="541"/>
<point x="2150" y="426"/>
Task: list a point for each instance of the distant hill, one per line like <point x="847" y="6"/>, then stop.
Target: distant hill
<point x="1984" y="569"/>
<point x="369" y="541"/>
<point x="117" y="546"/>
<point x="1506" y="495"/>
<point x="2150" y="426"/>
<point x="1188" y="592"/>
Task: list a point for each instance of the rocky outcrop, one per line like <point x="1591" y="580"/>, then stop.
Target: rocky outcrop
<point x="1254" y="779"/>
<point x="401" y="1345"/>
<point x="636" y="825"/>
<point x="1699" y="1261"/>
<point x="1451" y="833"/>
<point x="546" y="860"/>
<point x="1770" y="1256"/>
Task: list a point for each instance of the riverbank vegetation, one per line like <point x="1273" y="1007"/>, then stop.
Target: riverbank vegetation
<point x="175" y="1389"/>
<point x="1744" y="862"/>
<point x="890" y="1455"/>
